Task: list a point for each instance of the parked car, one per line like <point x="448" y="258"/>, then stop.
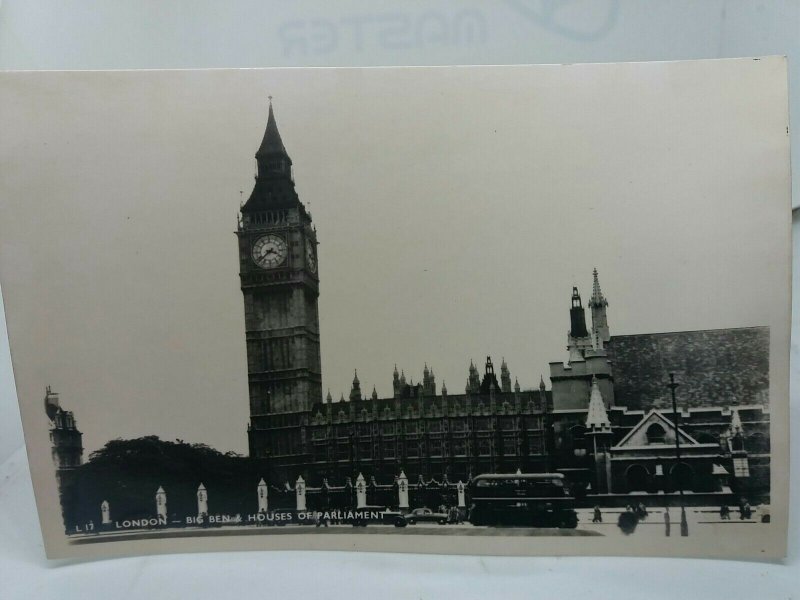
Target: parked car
<point x="379" y="515"/>
<point x="426" y="515"/>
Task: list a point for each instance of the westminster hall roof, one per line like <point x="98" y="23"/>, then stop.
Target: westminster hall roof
<point x="713" y="368"/>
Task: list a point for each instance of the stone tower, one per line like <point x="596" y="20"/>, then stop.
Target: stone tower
<point x="598" y="304"/>
<point x="280" y="283"/>
<point x="66" y="440"/>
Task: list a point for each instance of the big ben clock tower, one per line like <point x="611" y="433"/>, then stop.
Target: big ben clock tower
<point x="280" y="284"/>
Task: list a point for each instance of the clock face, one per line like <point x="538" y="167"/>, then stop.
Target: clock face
<point x="311" y="257"/>
<point x="269" y="251"/>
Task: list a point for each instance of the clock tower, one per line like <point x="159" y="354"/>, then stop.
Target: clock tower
<point x="280" y="283"/>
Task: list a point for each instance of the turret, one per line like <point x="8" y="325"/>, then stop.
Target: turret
<point x="489" y="378"/>
<point x="597" y="417"/>
<point x="473" y="381"/>
<point x="598" y="430"/>
<point x="577" y="316"/>
<point x="578" y="338"/>
<point x="396" y="382"/>
<point x="505" y="377"/>
<point x="355" y="390"/>
<point x="66" y="440"/>
<point x="598" y="305"/>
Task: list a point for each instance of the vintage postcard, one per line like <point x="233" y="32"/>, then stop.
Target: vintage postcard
<point x="490" y="310"/>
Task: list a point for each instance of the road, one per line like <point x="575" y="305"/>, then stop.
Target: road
<point x="699" y="519"/>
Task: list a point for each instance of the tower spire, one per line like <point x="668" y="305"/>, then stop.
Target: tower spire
<point x="271" y="142"/>
<point x="598" y="304"/>
<point x="597" y="294"/>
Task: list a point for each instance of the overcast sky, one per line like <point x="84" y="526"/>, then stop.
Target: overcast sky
<point x="455" y="209"/>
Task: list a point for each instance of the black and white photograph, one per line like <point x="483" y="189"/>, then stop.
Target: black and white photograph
<point x="481" y="310"/>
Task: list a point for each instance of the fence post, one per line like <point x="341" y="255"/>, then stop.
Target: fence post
<point x="402" y="490"/>
<point x="300" y="493"/>
<point x="105" y="512"/>
<point x="202" y="501"/>
<point x="361" y="491"/>
<point x="161" y="504"/>
<point x="263" y="496"/>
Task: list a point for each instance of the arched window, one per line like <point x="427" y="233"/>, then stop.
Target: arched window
<point x="637" y="477"/>
<point x="656" y="434"/>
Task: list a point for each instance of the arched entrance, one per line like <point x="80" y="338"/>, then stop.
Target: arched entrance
<point x="682" y="476"/>
<point x="636" y="477"/>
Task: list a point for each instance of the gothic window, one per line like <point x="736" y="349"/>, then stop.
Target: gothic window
<point x="388" y="429"/>
<point x="656" y="434"/>
<point x="387" y="414"/>
<point x="484" y="447"/>
<point x="459" y="447"/>
<point x="578" y="440"/>
<point x="365" y="450"/>
<point x="343" y="451"/>
<point x="388" y="450"/>
<point x="509" y="446"/>
<point x="435" y="426"/>
<point x="436" y="447"/>
<point x="482" y="424"/>
<point x="412" y="450"/>
<point x="318" y="434"/>
<point x="459" y="426"/>
<point x="506" y="424"/>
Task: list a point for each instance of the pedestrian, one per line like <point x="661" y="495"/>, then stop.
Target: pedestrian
<point x="744" y="509"/>
<point x="724" y="513"/>
<point x="666" y="521"/>
<point x="641" y="511"/>
<point x="598" y="516"/>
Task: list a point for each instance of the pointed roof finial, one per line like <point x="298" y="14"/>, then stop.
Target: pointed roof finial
<point x="597" y="294"/>
<point x="516" y="384"/>
<point x="597" y="417"/>
<point x="271" y="143"/>
<point x="374" y="393"/>
<point x="541" y="382"/>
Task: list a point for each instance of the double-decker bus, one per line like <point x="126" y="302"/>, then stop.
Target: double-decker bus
<point x="522" y="499"/>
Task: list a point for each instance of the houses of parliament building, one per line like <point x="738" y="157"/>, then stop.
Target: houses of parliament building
<point x="606" y="421"/>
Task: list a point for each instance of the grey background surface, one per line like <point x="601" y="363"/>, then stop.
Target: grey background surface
<point x="111" y="35"/>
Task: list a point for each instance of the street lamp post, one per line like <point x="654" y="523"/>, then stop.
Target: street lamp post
<point x="672" y="385"/>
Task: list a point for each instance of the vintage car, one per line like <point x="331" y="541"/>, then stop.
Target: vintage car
<point x="426" y="515"/>
<point x="378" y="515"/>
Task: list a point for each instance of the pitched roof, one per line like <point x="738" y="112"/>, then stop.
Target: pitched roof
<point x="271" y="143"/>
<point x="656" y="416"/>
